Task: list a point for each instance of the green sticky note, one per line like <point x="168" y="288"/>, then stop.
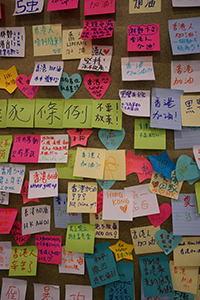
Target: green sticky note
<point x="3" y="107"/>
<point x="23" y="261"/>
<point x="20" y="113"/>
<point x="107" y="114"/>
<point x="77" y="113"/>
<point x="197" y="192"/>
<point x="49" y="113"/>
<point x="148" y="138"/>
<point x="80" y="237"/>
<point x="5" y="145"/>
<point x="65" y="170"/>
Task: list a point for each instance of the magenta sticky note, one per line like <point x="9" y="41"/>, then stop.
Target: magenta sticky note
<point x="7" y="218"/>
<point x="0" y="10"/>
<point x="22" y="81"/>
<point x="25" y="149"/>
<point x="61" y="5"/>
<point x="97" y="29"/>
<point x="144" y="37"/>
<point x="49" y="248"/>
<point x="99" y="7"/>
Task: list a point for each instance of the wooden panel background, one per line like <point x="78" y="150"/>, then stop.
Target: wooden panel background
<point x="48" y="274"/>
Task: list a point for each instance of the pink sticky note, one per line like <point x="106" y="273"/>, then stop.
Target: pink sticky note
<point x="61" y="5"/>
<point x="0" y="10"/>
<point x="22" y="81"/>
<point x="7" y="218"/>
<point x="26" y="149"/>
<point x="79" y="136"/>
<point x="165" y="213"/>
<point x="147" y="169"/>
<point x="98" y="7"/>
<point x="97" y="86"/>
<point x="49" y="248"/>
<point x="24" y="193"/>
<point x="97" y="29"/>
<point x="99" y="202"/>
<point x="133" y="163"/>
<point x="17" y="233"/>
<point x="145" y="37"/>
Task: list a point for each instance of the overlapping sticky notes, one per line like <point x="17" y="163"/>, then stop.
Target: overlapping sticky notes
<point x="115" y="165"/>
<point x="5" y="144"/>
<point x="24" y="193"/>
<point x="72" y="262"/>
<point x="148" y="138"/>
<point x="65" y="170"/>
<point x="162" y="164"/>
<point x="187" y="252"/>
<point x="144" y="202"/>
<point x="161" y="185"/>
<point x="13" y="288"/>
<point x="25" y="149"/>
<point x="36" y="219"/>
<point x="12" y="177"/>
<point x="144" y="37"/>
<point x="61" y="217"/>
<point x="184" y="279"/>
<point x="158" y="287"/>
<point x="97" y="8"/>
<point x="97" y="86"/>
<point x="181" y="28"/>
<point x="7" y="79"/>
<point x="78" y="292"/>
<point x="44" y="291"/>
<point x="190" y="113"/>
<point x="49" y="248"/>
<point x="99" y="279"/>
<point x="100" y="60"/>
<point x="185" y="3"/>
<point x="23" y="261"/>
<point x="69" y="85"/>
<point x="82" y="197"/>
<point x="104" y="229"/>
<point x="28" y="8"/>
<point x="111" y="139"/>
<point x="6" y="250"/>
<point x="11" y="48"/>
<point x="187" y="169"/>
<point x="80" y="237"/>
<point x="17" y="233"/>
<point x="49" y="113"/>
<point x="167" y="241"/>
<point x="22" y="81"/>
<point x="120" y="202"/>
<point x="135" y="102"/>
<point x="3" y="110"/>
<point x="186" y="138"/>
<point x="47" y="39"/>
<point x="20" y="113"/>
<point x="106" y="184"/>
<point x="159" y="218"/>
<point x="144" y="239"/>
<point x="137" y="68"/>
<point x="79" y="136"/>
<point x="136" y="7"/>
<point x="166" y="108"/>
<point x="122" y="250"/>
<point x="47" y="73"/>
<point x="97" y="29"/>
<point x="74" y="47"/>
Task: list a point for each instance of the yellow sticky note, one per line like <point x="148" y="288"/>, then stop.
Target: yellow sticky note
<point x="190" y="110"/>
<point x="3" y="109"/>
<point x="197" y="296"/>
<point x="186" y="253"/>
<point x="104" y="229"/>
<point x="122" y="250"/>
<point x="145" y="6"/>
<point x="115" y="165"/>
<point x="8" y="79"/>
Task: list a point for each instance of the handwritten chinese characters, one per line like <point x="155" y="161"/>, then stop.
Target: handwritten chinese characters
<point x="49" y="248"/>
<point x="144" y="6"/>
<point x="5" y="144"/>
<point x="28" y="7"/>
<point x="78" y="292"/>
<point x="97" y="29"/>
<point x="104" y="229"/>
<point x="12" y="41"/>
<point x="25" y="149"/>
<point x="14" y="289"/>
<point x="190" y="110"/>
<point x="5" y="254"/>
<point x="97" y="86"/>
<point x="98" y="7"/>
<point x="187" y="253"/>
<point x="69" y="85"/>
<point x="60" y="5"/>
<point x="72" y="262"/>
<point x="11" y="178"/>
<point x="8" y="79"/>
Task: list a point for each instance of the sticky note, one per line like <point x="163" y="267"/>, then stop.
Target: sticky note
<point x="49" y="248"/>
<point x="186" y="138"/>
<point x="61" y="5"/>
<point x="24" y="193"/>
<point x="72" y="262"/>
<point x="79" y="136"/>
<point x="190" y="110"/>
<point x="84" y="291"/>
<point x="136" y="7"/>
<point x="25" y="7"/>
<point x="167" y="241"/>
<point x="65" y="170"/>
<point x="43" y="290"/>
<point x="6" y="248"/>
<point x="97" y="29"/>
<point x="97" y="8"/>
<point x="22" y="82"/>
<point x="3" y="109"/>
<point x="97" y="86"/>
<point x="12" y="177"/>
<point x="8" y="79"/>
<point x="69" y="85"/>
<point x="9" y="46"/>
<point x="122" y="250"/>
<point x="159" y="218"/>
<point x="115" y="165"/>
<point x="104" y="229"/>
<point x="187" y="169"/>
<point x="13" y="287"/>
<point x="17" y="233"/>
<point x="47" y="73"/>
<point x="111" y="139"/>
<point x="187" y="252"/>
<point x="25" y="149"/>
<point x="5" y="145"/>
<point x="185" y="3"/>
<point x="162" y="164"/>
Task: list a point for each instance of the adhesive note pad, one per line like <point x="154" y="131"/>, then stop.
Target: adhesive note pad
<point x="97" y="29"/>
<point x="42" y="291"/>
<point x="61" y="5"/>
<point x="166" y="108"/>
<point x="6" y="248"/>
<point x="181" y="28"/>
<point x="148" y="138"/>
<point x="49" y="248"/>
<point x="80" y="237"/>
<point x="97" y="8"/>
<point x="136" y="7"/>
<point x="12" y="40"/>
<point x="28" y="8"/>
<point x="137" y="68"/>
<point x="187" y="253"/>
<point x="12" y="177"/>
<point x="144" y="37"/>
<point x="3" y="109"/>
<point x="65" y="170"/>
<point x="186" y="138"/>
<point x="72" y="262"/>
<point x="158" y="286"/>
<point x="104" y="229"/>
<point x="13" y="288"/>
<point x="185" y="3"/>
<point x="5" y="145"/>
<point x="115" y="165"/>
<point x="162" y="164"/>
<point x="23" y="261"/>
<point x="78" y="292"/>
<point x="47" y="73"/>
<point x="101" y="254"/>
<point x="7" y="216"/>
<point x="47" y="39"/>
<point x="25" y="149"/>
<point x="8" y="79"/>
<point x="190" y="110"/>
<point x="82" y="197"/>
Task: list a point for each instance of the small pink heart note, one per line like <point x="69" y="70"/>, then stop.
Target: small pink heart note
<point x="99" y="202"/>
<point x="165" y="213"/>
<point x="97" y="86"/>
<point x="22" y="81"/>
<point x="17" y="233"/>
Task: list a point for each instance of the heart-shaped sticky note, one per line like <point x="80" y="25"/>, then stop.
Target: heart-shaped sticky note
<point x="167" y="241"/>
<point x="111" y="139"/>
<point x="97" y="86"/>
<point x="165" y="213"/>
<point x="106" y="184"/>
<point x="99" y="202"/>
<point x="69" y="85"/>
<point x="22" y="81"/>
<point x="186" y="168"/>
<point x="17" y="233"/>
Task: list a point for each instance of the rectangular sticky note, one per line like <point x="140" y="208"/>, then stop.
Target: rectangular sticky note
<point x="97" y="8"/>
<point x="25" y="149"/>
<point x="104" y="229"/>
<point x="12" y="40"/>
<point x="190" y="110"/>
<point x="5" y="145"/>
<point x="187" y="253"/>
<point x="137" y="6"/>
<point x="97" y="29"/>
<point x="65" y="170"/>
<point x="137" y="68"/>
<point x="3" y="109"/>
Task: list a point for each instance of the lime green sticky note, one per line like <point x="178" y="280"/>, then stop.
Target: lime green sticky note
<point x="49" y="113"/>
<point x="80" y="237"/>
<point x="107" y="114"/>
<point x="65" y="171"/>
<point x="23" y="261"/>
<point x="20" y="113"/>
<point x="77" y="113"/>
<point x="197" y="192"/>
<point x="148" y="138"/>
<point x="5" y="145"/>
<point x="3" y="107"/>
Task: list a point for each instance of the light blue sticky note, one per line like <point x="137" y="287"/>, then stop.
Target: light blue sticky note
<point x="166" y="108"/>
<point x="167" y="241"/>
<point x="181" y="296"/>
<point x="101" y="265"/>
<point x="187" y="169"/>
<point x="145" y="298"/>
<point x="69" y="85"/>
<point x="153" y="269"/>
<point x="106" y="184"/>
<point x="123" y="287"/>
<point x="111" y="139"/>
<point x="186" y="138"/>
<point x="184" y="35"/>
<point x="61" y="217"/>
<point x="162" y="164"/>
<point x="185" y="217"/>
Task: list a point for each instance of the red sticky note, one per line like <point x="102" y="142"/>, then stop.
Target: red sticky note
<point x="61" y="5"/>
<point x="49" y="248"/>
<point x="25" y="149"/>
<point x="133" y="163"/>
<point x="98" y="7"/>
<point x="24" y="193"/>
<point x="17" y="233"/>
<point x="97" y="29"/>
<point x="145" y="37"/>
<point x="79" y="136"/>
<point x="99" y="202"/>
<point x="7" y="218"/>
<point x="165" y="213"/>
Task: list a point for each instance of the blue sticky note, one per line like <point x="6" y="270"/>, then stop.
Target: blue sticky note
<point x="101" y="265"/>
<point x="162" y="164"/>
<point x="156" y="276"/>
<point x="61" y="217"/>
<point x="124" y="288"/>
<point x="187" y="169"/>
<point x="181" y="296"/>
<point x="186" y="138"/>
<point x="145" y="298"/>
<point x="111" y="139"/>
<point x="106" y="184"/>
<point x="69" y="85"/>
<point x="166" y="109"/>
